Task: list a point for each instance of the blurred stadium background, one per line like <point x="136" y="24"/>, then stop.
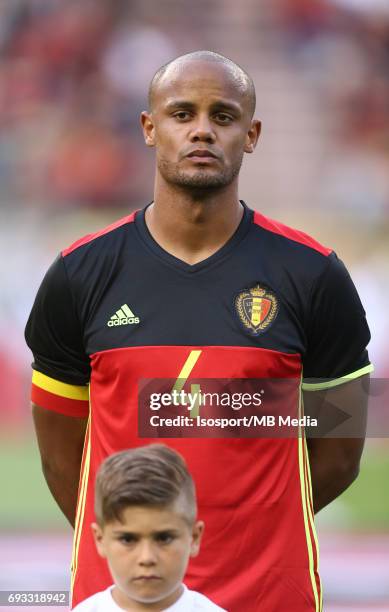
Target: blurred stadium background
<point x="73" y="80"/>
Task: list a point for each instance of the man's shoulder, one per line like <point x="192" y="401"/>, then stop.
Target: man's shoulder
<point x="290" y="235"/>
<point x="96" y="237"/>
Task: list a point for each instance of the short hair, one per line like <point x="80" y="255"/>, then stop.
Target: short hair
<point x="152" y="475"/>
<point x="239" y="74"/>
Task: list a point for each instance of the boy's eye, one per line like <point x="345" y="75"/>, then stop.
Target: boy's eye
<point x="127" y="539"/>
<point x="164" y="538"/>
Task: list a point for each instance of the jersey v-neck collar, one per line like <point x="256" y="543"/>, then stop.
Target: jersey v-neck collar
<point x="226" y="249"/>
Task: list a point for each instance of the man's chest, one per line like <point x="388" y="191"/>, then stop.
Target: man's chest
<point x="240" y="303"/>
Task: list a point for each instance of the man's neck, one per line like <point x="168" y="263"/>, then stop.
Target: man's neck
<point x="193" y="225"/>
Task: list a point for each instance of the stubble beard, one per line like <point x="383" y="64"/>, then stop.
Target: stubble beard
<point x="200" y="180"/>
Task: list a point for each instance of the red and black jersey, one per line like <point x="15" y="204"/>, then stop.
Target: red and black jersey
<point x="115" y="308"/>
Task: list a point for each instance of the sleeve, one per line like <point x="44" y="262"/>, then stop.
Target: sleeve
<point x="337" y="331"/>
<point x="61" y="368"/>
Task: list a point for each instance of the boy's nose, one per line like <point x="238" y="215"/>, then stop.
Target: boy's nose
<point x="147" y="554"/>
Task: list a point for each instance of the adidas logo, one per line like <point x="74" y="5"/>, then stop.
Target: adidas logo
<point x="123" y="316"/>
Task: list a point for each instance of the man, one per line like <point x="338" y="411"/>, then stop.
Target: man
<point x="197" y="285"/>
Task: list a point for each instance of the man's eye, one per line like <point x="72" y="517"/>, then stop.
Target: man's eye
<point x="222" y="118"/>
<point x="182" y="115"/>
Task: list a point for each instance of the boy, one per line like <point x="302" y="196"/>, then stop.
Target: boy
<point x="145" y="506"/>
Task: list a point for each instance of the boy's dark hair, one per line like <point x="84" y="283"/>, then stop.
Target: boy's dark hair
<point x="153" y="475"/>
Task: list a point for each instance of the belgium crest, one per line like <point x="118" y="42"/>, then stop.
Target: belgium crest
<point x="256" y="308"/>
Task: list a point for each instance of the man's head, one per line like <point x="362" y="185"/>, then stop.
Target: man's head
<point x="201" y="102"/>
<point x="146" y="527"/>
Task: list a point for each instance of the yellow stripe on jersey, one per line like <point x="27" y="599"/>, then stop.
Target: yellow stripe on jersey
<point x="338" y="381"/>
<point x="186" y="370"/>
<point x="76" y="392"/>
<point x="80" y="511"/>
<point x="308" y="490"/>
<point x="306" y="510"/>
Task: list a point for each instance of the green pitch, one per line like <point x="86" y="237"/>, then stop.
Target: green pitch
<point x="26" y="502"/>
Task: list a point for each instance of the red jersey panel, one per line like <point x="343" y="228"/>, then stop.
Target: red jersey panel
<point x="244" y="486"/>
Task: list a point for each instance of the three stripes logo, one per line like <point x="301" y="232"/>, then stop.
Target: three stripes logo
<point x="123" y="316"/>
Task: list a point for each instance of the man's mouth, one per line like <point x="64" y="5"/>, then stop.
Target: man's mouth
<point x="202" y="154"/>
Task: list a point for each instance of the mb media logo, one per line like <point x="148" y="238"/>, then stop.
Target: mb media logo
<point x="123" y="316"/>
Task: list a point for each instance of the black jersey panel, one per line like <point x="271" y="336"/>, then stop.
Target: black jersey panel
<point x="53" y="330"/>
<point x="323" y="302"/>
<point x="118" y="273"/>
<point x="337" y="332"/>
<point x="262" y="290"/>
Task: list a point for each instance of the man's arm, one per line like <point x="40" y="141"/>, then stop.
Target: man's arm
<point x="334" y="461"/>
<point x="61" y="441"/>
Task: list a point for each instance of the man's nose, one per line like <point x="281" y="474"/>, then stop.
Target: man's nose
<point x="202" y="130"/>
<point x="147" y="555"/>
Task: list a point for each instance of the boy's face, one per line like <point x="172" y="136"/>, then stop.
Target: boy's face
<point x="148" y="552"/>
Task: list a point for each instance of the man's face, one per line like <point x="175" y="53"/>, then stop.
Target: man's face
<point x="148" y="552"/>
<point x="200" y="124"/>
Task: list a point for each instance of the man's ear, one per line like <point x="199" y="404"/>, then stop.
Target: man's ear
<point x="147" y="124"/>
<point x="252" y="136"/>
<point x="99" y="539"/>
<point x="197" y="534"/>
